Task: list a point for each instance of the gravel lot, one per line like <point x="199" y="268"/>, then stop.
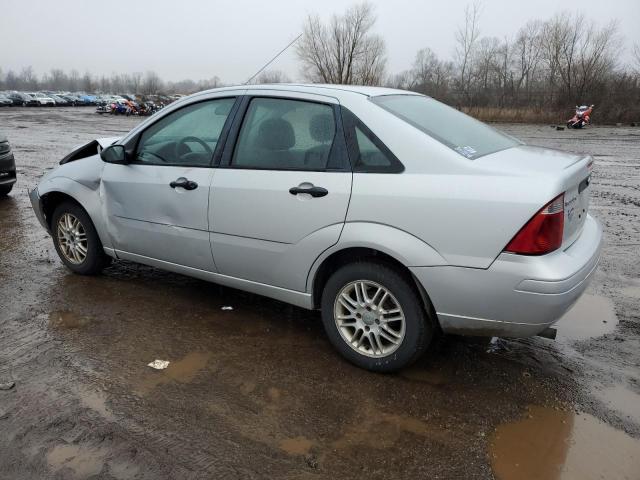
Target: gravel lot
<point x="257" y="391"/>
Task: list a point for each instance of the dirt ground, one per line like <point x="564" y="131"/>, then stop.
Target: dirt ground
<point x="258" y="392"/>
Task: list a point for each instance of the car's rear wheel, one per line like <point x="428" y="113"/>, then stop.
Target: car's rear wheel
<point x="5" y="189"/>
<point x="374" y="316"/>
<point x="77" y="241"/>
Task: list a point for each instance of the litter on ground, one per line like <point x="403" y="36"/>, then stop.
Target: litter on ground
<point x="159" y="364"/>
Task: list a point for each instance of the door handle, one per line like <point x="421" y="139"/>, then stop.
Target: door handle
<point x="184" y="183"/>
<point x="313" y="191"/>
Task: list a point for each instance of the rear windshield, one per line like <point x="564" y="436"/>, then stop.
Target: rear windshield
<point x="466" y="135"/>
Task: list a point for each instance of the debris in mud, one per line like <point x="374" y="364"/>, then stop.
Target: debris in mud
<point x="7" y="385"/>
<point x="311" y="461"/>
<point x="497" y="345"/>
<point x="227" y="307"/>
<point x="159" y="364"/>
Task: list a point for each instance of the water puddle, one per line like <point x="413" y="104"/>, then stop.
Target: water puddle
<point x="557" y="445"/>
<point x="296" y="446"/>
<point x="67" y="319"/>
<point x="82" y="461"/>
<point x="591" y="316"/>
<point x="96" y="401"/>
<point x="183" y="371"/>
<point x="622" y="400"/>
<point x="633" y="291"/>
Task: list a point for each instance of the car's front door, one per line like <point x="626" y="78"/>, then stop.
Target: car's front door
<point x="157" y="204"/>
<point x="280" y="196"/>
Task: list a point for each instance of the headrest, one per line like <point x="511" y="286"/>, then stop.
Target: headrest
<point x="275" y="134"/>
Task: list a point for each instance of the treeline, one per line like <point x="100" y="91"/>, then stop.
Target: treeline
<point x="540" y="73"/>
<point x="56" y="79"/>
<point x="548" y="67"/>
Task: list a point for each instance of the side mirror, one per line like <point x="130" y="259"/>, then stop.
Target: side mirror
<point x="114" y="154"/>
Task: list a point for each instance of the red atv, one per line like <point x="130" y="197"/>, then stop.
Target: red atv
<point x="581" y="118"/>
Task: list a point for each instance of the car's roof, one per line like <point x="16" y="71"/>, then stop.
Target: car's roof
<point x="321" y="89"/>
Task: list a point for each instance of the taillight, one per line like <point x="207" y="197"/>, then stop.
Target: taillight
<point x="543" y="233"/>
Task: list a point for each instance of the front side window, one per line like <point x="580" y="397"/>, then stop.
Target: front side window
<point x="462" y="133"/>
<point x="188" y="136"/>
<point x="284" y="134"/>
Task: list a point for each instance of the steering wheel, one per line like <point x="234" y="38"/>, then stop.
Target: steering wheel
<point x="182" y="143"/>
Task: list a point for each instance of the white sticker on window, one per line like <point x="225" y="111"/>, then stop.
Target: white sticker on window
<point x="466" y="151"/>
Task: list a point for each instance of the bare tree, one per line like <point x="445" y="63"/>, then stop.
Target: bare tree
<point x="74" y="80"/>
<point x="87" y="82"/>
<point x="344" y="51"/>
<point x="636" y="57"/>
<point x="28" y="78"/>
<point x="152" y="83"/>
<point x="430" y="75"/>
<point x="273" y="76"/>
<point x="135" y="82"/>
<point x="527" y="50"/>
<point x="466" y="42"/>
<point x="578" y="53"/>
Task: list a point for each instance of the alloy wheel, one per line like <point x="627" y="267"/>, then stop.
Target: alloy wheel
<point x="72" y="238"/>
<point x="369" y="318"/>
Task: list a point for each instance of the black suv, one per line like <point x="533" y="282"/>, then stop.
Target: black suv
<point x="7" y="167"/>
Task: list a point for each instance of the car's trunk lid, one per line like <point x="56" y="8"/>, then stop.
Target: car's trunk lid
<point x="571" y="171"/>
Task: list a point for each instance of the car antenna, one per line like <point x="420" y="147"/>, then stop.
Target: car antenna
<point x="271" y="61"/>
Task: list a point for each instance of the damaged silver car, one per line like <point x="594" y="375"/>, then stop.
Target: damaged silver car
<point x="395" y="215"/>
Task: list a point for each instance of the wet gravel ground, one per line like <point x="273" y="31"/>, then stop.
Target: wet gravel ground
<point x="257" y="391"/>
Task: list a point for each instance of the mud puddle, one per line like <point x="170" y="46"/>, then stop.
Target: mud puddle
<point x="592" y="316"/>
<point x="553" y="444"/>
<point x="182" y="371"/>
<point x="83" y="462"/>
<point x="296" y="446"/>
<point x="66" y="319"/>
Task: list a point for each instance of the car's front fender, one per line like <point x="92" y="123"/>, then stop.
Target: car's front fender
<point x="83" y="189"/>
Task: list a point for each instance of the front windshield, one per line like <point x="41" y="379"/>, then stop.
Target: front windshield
<point x="462" y="133"/>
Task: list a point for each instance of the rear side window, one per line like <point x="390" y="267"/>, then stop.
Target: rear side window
<point x="285" y="134"/>
<point x="462" y="133"/>
<point x="367" y="153"/>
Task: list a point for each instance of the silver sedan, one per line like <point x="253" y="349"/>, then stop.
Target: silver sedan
<point x="396" y="216"/>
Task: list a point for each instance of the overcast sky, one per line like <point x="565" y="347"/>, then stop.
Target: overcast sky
<point x="233" y="38"/>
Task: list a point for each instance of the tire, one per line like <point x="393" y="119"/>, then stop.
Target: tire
<point x="93" y="259"/>
<point x="5" y="189"/>
<point x="416" y="330"/>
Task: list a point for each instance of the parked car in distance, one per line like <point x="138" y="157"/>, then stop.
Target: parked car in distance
<point x="394" y="215"/>
<point x="5" y="101"/>
<point x="73" y="100"/>
<point x="59" y="100"/>
<point x="7" y="167"/>
<point x="23" y="99"/>
<point x="42" y="99"/>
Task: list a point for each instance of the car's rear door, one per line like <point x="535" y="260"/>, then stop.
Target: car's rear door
<point x="280" y="196"/>
<point x="157" y="204"/>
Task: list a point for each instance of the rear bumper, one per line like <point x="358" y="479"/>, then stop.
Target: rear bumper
<point x="517" y="295"/>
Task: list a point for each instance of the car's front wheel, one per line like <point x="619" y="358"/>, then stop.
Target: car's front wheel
<point x="5" y="189"/>
<point x="374" y="316"/>
<point x="76" y="240"/>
